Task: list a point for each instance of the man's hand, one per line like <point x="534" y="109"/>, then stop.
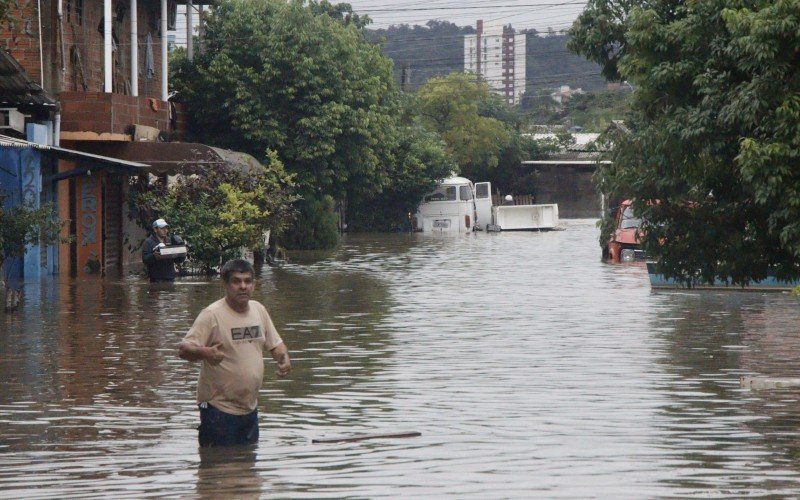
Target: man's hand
<point x="284" y="365"/>
<point x="157" y="252"/>
<point x="281" y="356"/>
<point x="213" y="355"/>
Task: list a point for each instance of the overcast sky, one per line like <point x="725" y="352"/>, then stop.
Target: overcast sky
<point x="522" y="14"/>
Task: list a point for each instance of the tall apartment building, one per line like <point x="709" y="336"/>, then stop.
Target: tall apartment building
<point x="497" y="55"/>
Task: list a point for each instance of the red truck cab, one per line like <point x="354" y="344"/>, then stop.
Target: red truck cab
<point x="624" y="246"/>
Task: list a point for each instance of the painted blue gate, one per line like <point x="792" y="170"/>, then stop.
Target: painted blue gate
<point x="21" y="182"/>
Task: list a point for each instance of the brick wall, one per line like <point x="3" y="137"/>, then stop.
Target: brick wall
<point x="83" y="45"/>
<point x="21" y="38"/>
<point x="102" y="112"/>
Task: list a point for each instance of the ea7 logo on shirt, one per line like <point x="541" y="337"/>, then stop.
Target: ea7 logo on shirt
<point x="246" y="333"/>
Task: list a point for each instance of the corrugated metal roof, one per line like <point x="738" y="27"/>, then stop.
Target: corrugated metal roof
<point x="566" y="162"/>
<point x="11" y="142"/>
<point x="175" y="157"/>
<point x="17" y="89"/>
<point x="584" y="141"/>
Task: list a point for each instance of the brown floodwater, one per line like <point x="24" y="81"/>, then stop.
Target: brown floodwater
<point x="530" y="368"/>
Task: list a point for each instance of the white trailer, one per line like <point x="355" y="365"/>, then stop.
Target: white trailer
<point x="511" y="217"/>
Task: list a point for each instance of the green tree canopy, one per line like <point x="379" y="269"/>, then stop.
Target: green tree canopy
<point x="712" y="158"/>
<point x="220" y="211"/>
<point x="481" y="132"/>
<point x="450" y="106"/>
<point x="418" y="160"/>
<point x="593" y="111"/>
<point x="296" y="80"/>
<point x="24" y="224"/>
<point x="342" y="12"/>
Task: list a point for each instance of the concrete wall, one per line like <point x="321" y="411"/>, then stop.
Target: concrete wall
<point x="133" y="236"/>
<point x="571" y="187"/>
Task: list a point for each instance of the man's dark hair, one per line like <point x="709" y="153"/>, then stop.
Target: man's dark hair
<point x="236" y="266"/>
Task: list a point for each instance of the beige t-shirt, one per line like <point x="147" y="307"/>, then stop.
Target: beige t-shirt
<point x="232" y="386"/>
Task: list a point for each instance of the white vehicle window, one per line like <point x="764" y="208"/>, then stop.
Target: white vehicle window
<point x="629" y="220"/>
<point x="443" y="193"/>
<point x="464" y="193"/>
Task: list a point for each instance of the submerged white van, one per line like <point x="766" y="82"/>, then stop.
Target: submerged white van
<point x="449" y="208"/>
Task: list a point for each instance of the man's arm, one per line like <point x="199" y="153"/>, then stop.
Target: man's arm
<point x="148" y="257"/>
<point x="280" y="354"/>
<point x="193" y="352"/>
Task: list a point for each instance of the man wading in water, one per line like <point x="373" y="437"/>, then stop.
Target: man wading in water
<point x="229" y="337"/>
<point x="160" y="268"/>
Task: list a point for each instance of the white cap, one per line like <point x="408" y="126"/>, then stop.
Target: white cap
<point x="508" y="198"/>
<point x="159" y="223"/>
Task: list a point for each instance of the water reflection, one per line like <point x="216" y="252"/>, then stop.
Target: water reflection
<point x="223" y="471"/>
<point x="727" y="440"/>
<point x="530" y="368"/>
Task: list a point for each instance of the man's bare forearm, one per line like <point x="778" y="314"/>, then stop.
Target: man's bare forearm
<point x="192" y="352"/>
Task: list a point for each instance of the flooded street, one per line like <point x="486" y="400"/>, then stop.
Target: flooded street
<point x="529" y="367"/>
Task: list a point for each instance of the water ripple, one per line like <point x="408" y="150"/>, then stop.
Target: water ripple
<point x="531" y="368"/>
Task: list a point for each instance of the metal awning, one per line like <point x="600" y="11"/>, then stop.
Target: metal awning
<point x="18" y="90"/>
<point x="175" y="157"/>
<point x="88" y="160"/>
<point x="13" y="142"/>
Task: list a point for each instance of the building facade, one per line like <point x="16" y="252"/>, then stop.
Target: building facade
<point x="102" y="68"/>
<point x="497" y="56"/>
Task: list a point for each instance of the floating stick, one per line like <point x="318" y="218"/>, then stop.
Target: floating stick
<point x="367" y="436"/>
<point x="769" y="383"/>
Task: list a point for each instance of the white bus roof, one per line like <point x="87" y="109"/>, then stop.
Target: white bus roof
<point x="455" y="180"/>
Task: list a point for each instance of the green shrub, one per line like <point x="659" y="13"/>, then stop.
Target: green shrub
<point x="221" y="210"/>
<point x="315" y="227"/>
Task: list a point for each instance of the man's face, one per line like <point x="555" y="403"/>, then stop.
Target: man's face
<point x="162" y="232"/>
<point x="239" y="289"/>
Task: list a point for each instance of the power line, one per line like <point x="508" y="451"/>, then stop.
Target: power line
<point x="482" y="7"/>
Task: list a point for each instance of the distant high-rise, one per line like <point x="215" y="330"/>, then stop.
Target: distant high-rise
<point x="497" y="56"/>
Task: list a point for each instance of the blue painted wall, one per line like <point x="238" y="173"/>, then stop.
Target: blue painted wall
<point x="20" y="179"/>
<point x="11" y="186"/>
<point x="31" y="168"/>
<point x="31" y="187"/>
